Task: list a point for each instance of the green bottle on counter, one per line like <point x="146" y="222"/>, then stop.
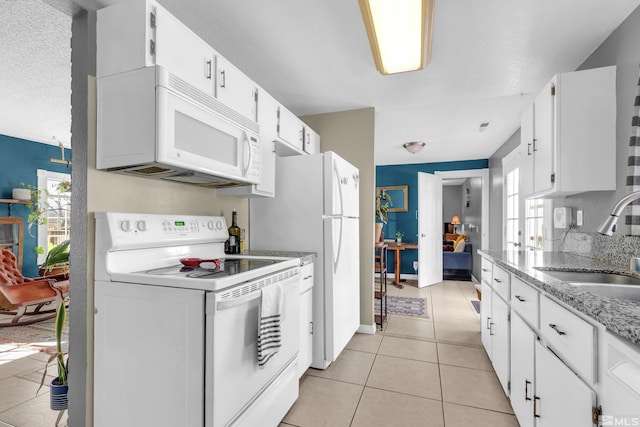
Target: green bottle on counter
<point x="234" y="234"/>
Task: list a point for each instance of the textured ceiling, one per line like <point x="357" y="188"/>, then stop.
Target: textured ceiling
<point x="488" y="58"/>
<point x="35" y="71"/>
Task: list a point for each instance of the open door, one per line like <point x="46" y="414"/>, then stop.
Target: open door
<point x="429" y="229"/>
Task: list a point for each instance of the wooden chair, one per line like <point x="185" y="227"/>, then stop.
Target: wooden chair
<point x="380" y="267"/>
<point x="18" y="294"/>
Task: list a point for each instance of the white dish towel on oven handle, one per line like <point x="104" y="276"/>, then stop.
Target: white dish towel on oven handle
<point x="269" y="329"/>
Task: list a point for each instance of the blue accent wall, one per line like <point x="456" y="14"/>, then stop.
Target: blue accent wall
<point x="389" y="175"/>
<point x="19" y="162"/>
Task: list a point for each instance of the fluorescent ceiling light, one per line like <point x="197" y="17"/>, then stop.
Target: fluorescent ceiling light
<point x="396" y="31"/>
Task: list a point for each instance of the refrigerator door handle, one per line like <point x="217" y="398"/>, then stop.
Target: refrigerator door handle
<point x="339" y="182"/>
<point x="336" y="255"/>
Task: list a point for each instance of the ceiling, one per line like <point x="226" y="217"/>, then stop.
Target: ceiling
<point x="488" y="59"/>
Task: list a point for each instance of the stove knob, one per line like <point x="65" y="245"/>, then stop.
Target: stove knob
<point x="210" y="225"/>
<point x="219" y="225"/>
<point x="125" y="225"/>
<point x="142" y="225"/>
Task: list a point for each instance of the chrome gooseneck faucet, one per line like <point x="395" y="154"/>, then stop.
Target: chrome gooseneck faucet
<point x="609" y="226"/>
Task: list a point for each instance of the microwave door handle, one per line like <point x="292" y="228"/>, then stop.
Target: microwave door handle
<point x="247" y="154"/>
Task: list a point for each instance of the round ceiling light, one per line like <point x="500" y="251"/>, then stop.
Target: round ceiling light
<point x="414" y="146"/>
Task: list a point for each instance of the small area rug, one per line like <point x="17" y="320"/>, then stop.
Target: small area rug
<point x="476" y="305"/>
<point x="414" y="307"/>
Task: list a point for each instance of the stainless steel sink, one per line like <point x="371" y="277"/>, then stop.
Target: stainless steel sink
<point x="592" y="277"/>
<point x="608" y="285"/>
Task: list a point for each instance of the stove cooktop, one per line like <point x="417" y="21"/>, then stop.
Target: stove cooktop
<point x="228" y="267"/>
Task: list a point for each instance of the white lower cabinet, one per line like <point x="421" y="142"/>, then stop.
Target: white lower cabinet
<point x="500" y="351"/>
<point x="494" y="318"/>
<point x="305" y="356"/>
<point x="544" y="391"/>
<point x="522" y="370"/>
<point x="561" y="398"/>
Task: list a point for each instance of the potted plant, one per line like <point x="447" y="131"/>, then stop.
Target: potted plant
<point x="383" y="203"/>
<point x="399" y="235"/>
<point x="22" y="192"/>
<point x="59" y="387"/>
<point x="56" y="261"/>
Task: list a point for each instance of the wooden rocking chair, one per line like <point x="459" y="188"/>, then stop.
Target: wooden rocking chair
<point x="18" y="293"/>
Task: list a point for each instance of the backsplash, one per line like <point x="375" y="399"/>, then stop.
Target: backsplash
<point x="616" y="249"/>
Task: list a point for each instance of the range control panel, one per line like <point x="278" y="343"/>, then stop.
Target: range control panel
<point x="128" y="230"/>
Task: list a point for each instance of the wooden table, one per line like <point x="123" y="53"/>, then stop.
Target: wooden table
<point x="397" y="248"/>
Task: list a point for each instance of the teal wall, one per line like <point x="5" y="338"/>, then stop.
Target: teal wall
<point x="389" y="175"/>
<point x="20" y="162"/>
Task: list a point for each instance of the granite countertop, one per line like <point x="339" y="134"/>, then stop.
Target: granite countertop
<point x="305" y="257"/>
<point x="621" y="317"/>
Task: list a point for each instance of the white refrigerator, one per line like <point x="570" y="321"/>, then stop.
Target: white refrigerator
<point x="316" y="209"/>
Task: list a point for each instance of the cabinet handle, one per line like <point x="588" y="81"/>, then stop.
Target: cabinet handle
<point x="535" y="406"/>
<point x="529" y="149"/>
<point x="535" y="148"/>
<point x="497" y="280"/>
<point x="526" y="389"/>
<point x="486" y="270"/>
<point x="491" y="328"/>
<point x="307" y="277"/>
<point x="488" y="319"/>
<point x="208" y="71"/>
<point x="519" y="298"/>
<point x="555" y="328"/>
<point x="224" y="79"/>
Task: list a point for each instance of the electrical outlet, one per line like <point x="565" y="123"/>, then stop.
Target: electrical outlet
<point x="415" y="265"/>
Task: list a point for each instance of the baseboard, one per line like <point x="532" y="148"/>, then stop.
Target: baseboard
<point x="367" y="329"/>
<point x="406" y="276"/>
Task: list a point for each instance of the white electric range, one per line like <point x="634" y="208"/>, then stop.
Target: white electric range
<point x="176" y="344"/>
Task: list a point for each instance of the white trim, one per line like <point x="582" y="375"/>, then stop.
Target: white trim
<point x="367" y="329"/>
<point x="476" y="173"/>
<point x="510" y="162"/>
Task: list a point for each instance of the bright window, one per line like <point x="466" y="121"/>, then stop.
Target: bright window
<point x="534" y="218"/>
<point x="512" y="201"/>
<point x="57" y="198"/>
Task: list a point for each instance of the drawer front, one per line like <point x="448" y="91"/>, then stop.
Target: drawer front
<point x="526" y="301"/>
<point x="500" y="282"/>
<point x="570" y="337"/>
<point x="487" y="271"/>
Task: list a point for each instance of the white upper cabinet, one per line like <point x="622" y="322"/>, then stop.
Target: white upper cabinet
<point x="235" y="89"/>
<point x="290" y="129"/>
<point x="311" y="141"/>
<point x="568" y="136"/>
<point x="183" y="53"/>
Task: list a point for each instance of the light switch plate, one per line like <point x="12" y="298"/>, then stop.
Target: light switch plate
<point x="579" y="217"/>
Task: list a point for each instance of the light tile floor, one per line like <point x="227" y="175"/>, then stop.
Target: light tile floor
<point x="21" y="368"/>
<point x="417" y="372"/>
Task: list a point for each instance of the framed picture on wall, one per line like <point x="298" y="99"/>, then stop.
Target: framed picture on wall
<point x="399" y="197"/>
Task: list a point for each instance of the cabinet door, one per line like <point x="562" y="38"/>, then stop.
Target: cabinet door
<point x="311" y="141"/>
<point x="522" y="370"/>
<point x="305" y="356"/>
<point x="526" y="152"/>
<point x="561" y="398"/>
<point x="500" y="340"/>
<point x="267" y="117"/>
<point x="235" y="90"/>
<point x="544" y="139"/>
<point x="183" y="53"/>
<point x="290" y="129"/>
<point x="485" y="317"/>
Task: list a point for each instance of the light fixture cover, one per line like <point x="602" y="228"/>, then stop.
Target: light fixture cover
<point x="455" y="220"/>
<point x="413" y="146"/>
<point x="396" y="32"/>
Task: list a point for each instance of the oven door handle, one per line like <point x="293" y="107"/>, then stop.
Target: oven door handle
<point x="234" y="302"/>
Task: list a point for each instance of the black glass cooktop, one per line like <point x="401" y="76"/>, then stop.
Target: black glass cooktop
<point x="228" y="267"/>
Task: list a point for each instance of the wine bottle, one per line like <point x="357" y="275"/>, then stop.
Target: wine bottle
<point x="234" y="234"/>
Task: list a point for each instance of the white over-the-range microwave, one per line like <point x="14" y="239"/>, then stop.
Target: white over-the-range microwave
<point x="155" y="125"/>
